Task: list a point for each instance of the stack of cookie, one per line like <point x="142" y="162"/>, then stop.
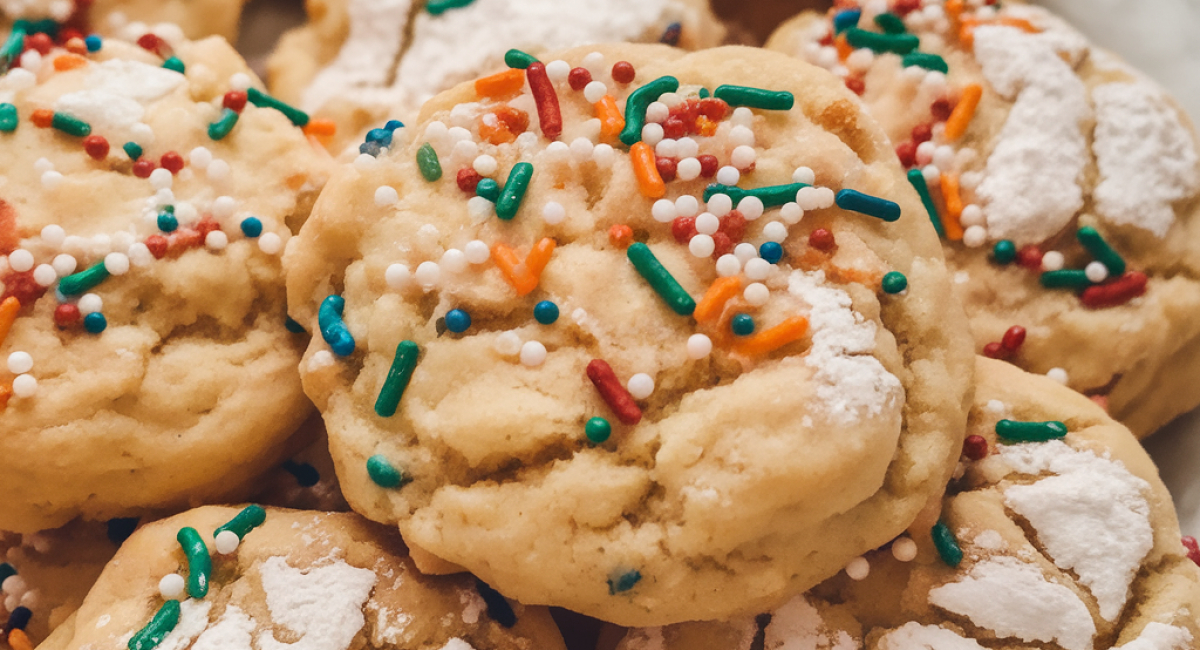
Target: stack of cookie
<point x="670" y="341"/>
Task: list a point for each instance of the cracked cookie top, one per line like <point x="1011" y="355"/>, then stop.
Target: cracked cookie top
<point x="672" y="345"/>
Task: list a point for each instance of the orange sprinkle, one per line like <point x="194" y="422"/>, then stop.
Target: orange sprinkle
<point x="769" y="340"/>
<point x="76" y="45"/>
<point x="954" y="207"/>
<point x="8" y="314"/>
<point x="611" y="120"/>
<point x="320" y="128"/>
<point x="620" y="235"/>
<point x="539" y="257"/>
<point x="713" y="302"/>
<point x="42" y="118"/>
<point x="65" y="62"/>
<point x="501" y="85"/>
<point x="18" y="640"/>
<point x="644" y="167"/>
<point x="705" y="126"/>
<point x="516" y="272"/>
<point x="5" y="394"/>
<point x="844" y="49"/>
<point x="966" y="32"/>
<point x="964" y="110"/>
<point x="954" y="9"/>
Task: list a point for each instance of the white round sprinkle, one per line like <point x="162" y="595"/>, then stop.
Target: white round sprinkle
<point x="757" y="294"/>
<point x="804" y="175"/>
<point x="664" y="211"/>
<point x="216" y="240"/>
<point x="397" y="276"/>
<point x="558" y="70"/>
<point x="42" y="165"/>
<point x="239" y="81"/>
<point x="477" y="252"/>
<point x="728" y="265"/>
<point x="161" y="178"/>
<point x="702" y="246"/>
<point x="507" y="344"/>
<point x="453" y="261"/>
<point x="1053" y="261"/>
<point x="465" y="150"/>
<point x="657" y="112"/>
<point x="667" y="148"/>
<point x="20" y="260"/>
<point x="140" y="255"/>
<point x="603" y="154"/>
<point x="1059" y="375"/>
<point x="594" y="62"/>
<point x="972" y="215"/>
<point x="751" y="207"/>
<point x="553" y="213"/>
<point x="943" y="157"/>
<point x="652" y="133"/>
<point x="479" y="207"/>
<point x="728" y="175"/>
<point x="386" y="195"/>
<point x="90" y="303"/>
<point x="699" y="346"/>
<point x="428" y="274"/>
<point x="688" y="147"/>
<point x="458" y="134"/>
<point x="227" y="542"/>
<point x="904" y="549"/>
<point x="974" y="237"/>
<point x="775" y="231"/>
<point x="742" y="115"/>
<point x="171" y="586"/>
<point x="860" y="60"/>
<point x="640" y="386"/>
<point x="808" y="198"/>
<point x="53" y="235"/>
<point x="687" y="206"/>
<point x="364" y="161"/>
<point x="185" y="212"/>
<point x="932" y="174"/>
<point x="581" y="149"/>
<point x="743" y="157"/>
<point x="20" y="363"/>
<point x="745" y="252"/>
<point x="707" y="223"/>
<point x="223" y="207"/>
<point x="720" y="204"/>
<point x="757" y="269"/>
<point x="116" y="263"/>
<point x="1096" y="272"/>
<point x="533" y="354"/>
<point x="595" y="91"/>
<point x="164" y="197"/>
<point x="64" y="264"/>
<point x="51" y="179"/>
<point x="200" y="157"/>
<point x="925" y="152"/>
<point x="218" y="170"/>
<point x="14" y="585"/>
<point x="741" y="136"/>
<point x="688" y="169"/>
<point x="485" y="165"/>
<point x="858" y="569"/>
<point x="270" y="243"/>
<point x="791" y="213"/>
<point x="23" y="386"/>
<point x="44" y="275"/>
<point x="557" y="152"/>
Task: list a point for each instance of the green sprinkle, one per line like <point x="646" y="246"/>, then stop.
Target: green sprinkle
<point x="13" y="46"/>
<point x="515" y="58"/>
<point x="927" y="61"/>
<point x="1014" y="431"/>
<point x="438" y="7"/>
<point x="6" y="571"/>
<point x="199" y="562"/>
<point x="8" y="118"/>
<point x="175" y="64"/>
<point x="597" y="430"/>
<point x="47" y="26"/>
<point x="891" y="23"/>
<point x="917" y="179"/>
<point x="704" y="94"/>
<point x="660" y="279"/>
<point x="772" y="196"/>
<point x="262" y="100"/>
<point x="78" y="283"/>
<point x="514" y="191"/>
<point x="878" y="43"/>
<point x="638" y="101"/>
<point x="624" y="581"/>
<point x="427" y="161"/>
<point x="1004" y="252"/>
<point x="71" y="125"/>
<point x="158" y="628"/>
<point x="397" y="379"/>
<point x="133" y="150"/>
<point x="1095" y="244"/>
<point x="946" y="544"/>
<point x="293" y="326"/>
<point x="248" y="519"/>
<point x="383" y="473"/>
<point x="872" y="206"/>
<point x="770" y="100"/>
<point x="333" y="328"/>
<point x="1066" y="279"/>
<point x="488" y="189"/>
<point x="894" y="282"/>
<point x="224" y="124"/>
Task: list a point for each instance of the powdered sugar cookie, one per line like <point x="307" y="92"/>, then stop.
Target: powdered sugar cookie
<point x="1045" y="540"/>
<point x="281" y="578"/>
<point x="1065" y="184"/>
<point x="131" y="19"/>
<point x="599" y="365"/>
<point x="364" y="62"/>
<point x="142" y="320"/>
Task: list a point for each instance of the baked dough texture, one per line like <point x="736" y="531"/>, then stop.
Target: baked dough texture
<point x="148" y="365"/>
<point x="1069" y="544"/>
<point x="748" y="473"/>
<point x="305" y="579"/>
<point x="1065" y="137"/>
<point x="131" y="19"/>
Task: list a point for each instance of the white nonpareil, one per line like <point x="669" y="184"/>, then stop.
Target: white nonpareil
<point x="323" y="605"/>
<point x="914" y="636"/>
<point x="115" y="94"/>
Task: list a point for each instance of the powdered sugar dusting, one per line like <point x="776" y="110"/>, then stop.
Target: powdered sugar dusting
<point x="1159" y="636"/>
<point x="1146" y="156"/>
<point x="193" y="618"/>
<point x="115" y="92"/>
<point x="1014" y="599"/>
<point x="362" y="67"/>
<point x="323" y="605"/>
<point x="914" y="636"/>
<point x="231" y="632"/>
<point x="851" y="384"/>
<point x="1031" y="190"/>
<point x="797" y="625"/>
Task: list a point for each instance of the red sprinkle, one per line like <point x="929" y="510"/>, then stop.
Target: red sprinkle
<point x="42" y="118"/>
<point x="713" y="108"/>
<point x="822" y="240"/>
<point x="205" y="226"/>
<point x="1030" y="257"/>
<point x="941" y="110"/>
<point x="683" y="228"/>
<point x="623" y="72"/>
<point x="995" y="350"/>
<point x="905" y="7"/>
<point x="142" y="168"/>
<point x="234" y="100"/>
<point x="40" y="42"/>
<point x="722" y="244"/>
<point x="1013" y="338"/>
<point x="67" y="315"/>
<point x="674" y="128"/>
<point x="733" y="225"/>
<point x="468" y="179"/>
<point x="975" y="447"/>
<point x="856" y="85"/>
<point x="667" y="168"/>
<point x="578" y="78"/>
<point x="546" y="99"/>
<point x="157" y="245"/>
<point x="96" y="147"/>
<point x="172" y="162"/>
<point x="907" y="152"/>
<point x="922" y="133"/>
<point x="620" y="235"/>
<point x="708" y="165"/>
<point x="1193" y="549"/>
<point x="23" y="287"/>
<point x="155" y="44"/>
<point x="613" y="393"/>
<point x="1100" y="400"/>
<point x="1116" y="292"/>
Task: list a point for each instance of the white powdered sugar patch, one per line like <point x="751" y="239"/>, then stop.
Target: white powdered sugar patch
<point x="457" y="644"/>
<point x="1014" y="599"/>
<point x="1159" y="636"/>
<point x="362" y="68"/>
<point x="1091" y="517"/>
<point x="473" y="605"/>
<point x="323" y="605"/>
<point x="232" y="631"/>
<point x="797" y="625"/>
<point x="1146" y="156"/>
<point x="193" y="618"/>
<point x="850" y="383"/>
<point x="1030" y="189"/>
<point x="115" y="93"/>
<point x="914" y="636"/>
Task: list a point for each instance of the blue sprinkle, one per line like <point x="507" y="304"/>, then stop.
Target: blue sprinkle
<point x="671" y="34"/>
<point x="545" y="312"/>
<point x="618" y="583"/>
<point x="370" y="148"/>
<point x="458" y="321"/>
<point x="93" y="43"/>
<point x="846" y="19"/>
<point x="251" y="227"/>
<point x="292" y="326"/>
<point x="742" y="324"/>
<point x="333" y="328"/>
<point x="872" y="206"/>
<point x="167" y="222"/>
<point x="383" y="137"/>
<point x="392" y="125"/>
<point x="18" y="619"/>
<point x="771" y="252"/>
<point x="95" y="322"/>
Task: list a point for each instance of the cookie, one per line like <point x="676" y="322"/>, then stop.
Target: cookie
<point x="615" y="389"/>
<point x="1063" y="542"/>
<point x="293" y="578"/>
<point x="364" y="62"/>
<point x="1065" y="185"/>
<point x="149" y="363"/>
<point x="128" y="18"/>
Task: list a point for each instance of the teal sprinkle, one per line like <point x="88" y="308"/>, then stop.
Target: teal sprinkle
<point x="133" y="150"/>
<point x="927" y="61"/>
<point x="894" y="282"/>
<point x="623" y="581"/>
<point x="383" y="474"/>
<point x="263" y="100"/>
<point x="946" y="544"/>
<point x="174" y="63"/>
<point x="1004" y="252"/>
<point x="917" y="179"/>
<point x="879" y="43"/>
<point x="438" y="7"/>
<point x="8" y="118"/>
<point x="772" y="196"/>
<point x="488" y="189"/>
<point x="224" y="124"/>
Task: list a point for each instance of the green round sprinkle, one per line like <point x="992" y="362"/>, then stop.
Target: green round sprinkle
<point x="894" y="282"/>
<point x="1065" y="279"/>
<point x="397" y="380"/>
<point x="638" y="101"/>
<point x="488" y="189"/>
<point x="515" y="58"/>
<point x="262" y="100"/>
<point x="383" y="474"/>
<point x="895" y="43"/>
<point x="8" y="118"/>
<point x="772" y="196"/>
<point x="224" y="124"/>
<point x="71" y="125"/>
<point x="167" y="222"/>
<point x="597" y="430"/>
<point x="514" y="190"/>
<point x="891" y="23"/>
<point x="175" y="64"/>
<point x="199" y="562"/>
<point x="1013" y="431"/>
<point x="158" y="628"/>
<point x="1004" y="252"/>
<point x="427" y="161"/>
<point x="251" y="517"/>
<point x="771" y="100"/>
<point x="946" y="544"/>
<point x="438" y="7"/>
<point x="927" y="61"/>
<point x="660" y="279"/>
<point x="742" y="324"/>
<point x="917" y="179"/>
<point x="133" y="150"/>
<point x="704" y="94"/>
<point x="624" y="581"/>
<point x="77" y="283"/>
<point x="1095" y="244"/>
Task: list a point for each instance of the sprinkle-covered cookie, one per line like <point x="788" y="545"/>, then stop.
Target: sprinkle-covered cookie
<point x="62" y="20"/>
<point x="662" y="346"/>
<point x="1063" y="183"/>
